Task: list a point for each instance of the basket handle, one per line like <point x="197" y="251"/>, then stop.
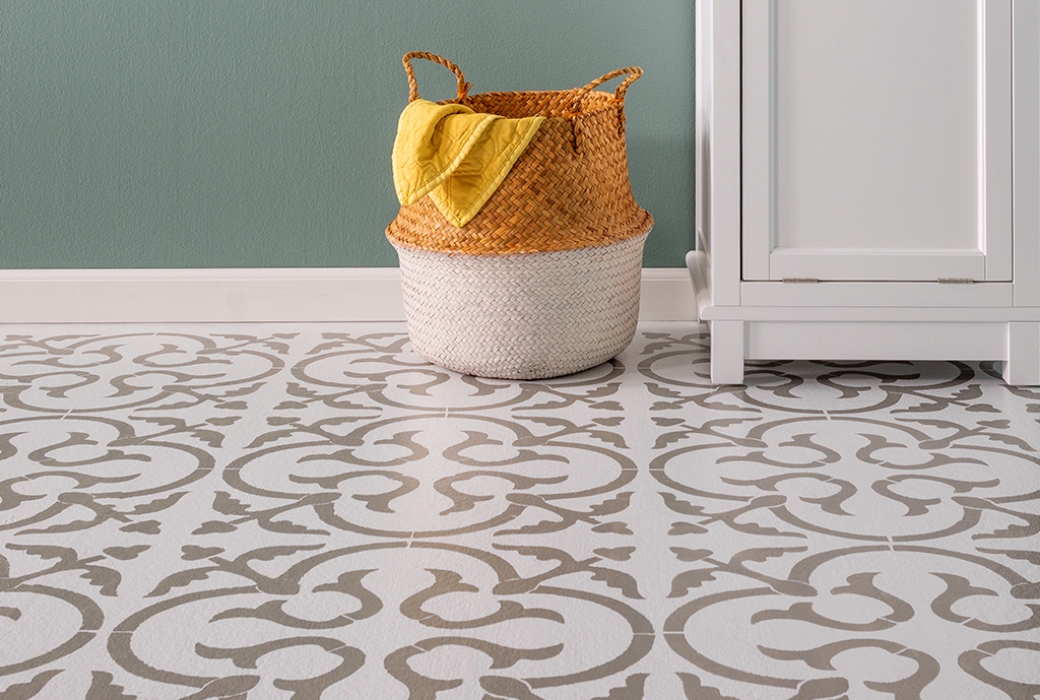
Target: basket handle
<point x="634" y="74"/>
<point x="413" y="85"/>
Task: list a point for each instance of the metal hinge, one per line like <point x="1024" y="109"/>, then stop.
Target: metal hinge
<point x="800" y="280"/>
<point x="956" y="280"/>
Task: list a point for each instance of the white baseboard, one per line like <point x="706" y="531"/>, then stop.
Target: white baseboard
<point x="666" y="294"/>
<point x="253" y="295"/>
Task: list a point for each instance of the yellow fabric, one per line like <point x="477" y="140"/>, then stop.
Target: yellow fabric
<point x="457" y="156"/>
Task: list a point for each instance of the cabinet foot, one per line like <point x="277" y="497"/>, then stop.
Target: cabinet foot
<point x="1022" y="367"/>
<point x="727" y="352"/>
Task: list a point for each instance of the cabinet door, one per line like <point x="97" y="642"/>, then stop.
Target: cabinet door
<point x="876" y="139"/>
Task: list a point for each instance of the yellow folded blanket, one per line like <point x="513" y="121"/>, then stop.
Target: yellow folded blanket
<point x="457" y="156"/>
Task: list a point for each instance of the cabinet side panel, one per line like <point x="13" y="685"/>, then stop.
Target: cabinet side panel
<point x="758" y="176"/>
<point x="1027" y="151"/>
<point x="724" y="156"/>
<point x="995" y="205"/>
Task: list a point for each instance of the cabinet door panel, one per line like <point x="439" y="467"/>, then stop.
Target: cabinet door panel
<point x="876" y="139"/>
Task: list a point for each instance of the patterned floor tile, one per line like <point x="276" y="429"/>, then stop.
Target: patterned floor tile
<point x="275" y="511"/>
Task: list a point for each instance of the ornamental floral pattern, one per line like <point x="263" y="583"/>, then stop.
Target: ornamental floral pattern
<point x="271" y="511"/>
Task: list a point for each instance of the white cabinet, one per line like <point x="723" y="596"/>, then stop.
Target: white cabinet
<point x="868" y="177"/>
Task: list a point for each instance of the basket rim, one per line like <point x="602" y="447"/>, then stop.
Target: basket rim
<point x="611" y="102"/>
<point x="641" y="231"/>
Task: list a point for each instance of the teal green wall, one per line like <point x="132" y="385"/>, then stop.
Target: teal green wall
<point x="257" y="133"/>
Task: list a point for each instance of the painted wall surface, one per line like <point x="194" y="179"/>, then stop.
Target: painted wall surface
<point x="257" y="133"/>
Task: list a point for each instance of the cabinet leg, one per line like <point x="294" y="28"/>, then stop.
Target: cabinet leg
<point x="727" y="352"/>
<point x="1022" y="367"/>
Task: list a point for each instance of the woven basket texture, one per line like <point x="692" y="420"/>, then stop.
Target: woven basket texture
<point x="544" y="280"/>
<point x="568" y="190"/>
<point x="522" y="316"/>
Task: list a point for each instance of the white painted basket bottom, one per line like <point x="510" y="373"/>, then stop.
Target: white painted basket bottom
<point x="523" y="316"/>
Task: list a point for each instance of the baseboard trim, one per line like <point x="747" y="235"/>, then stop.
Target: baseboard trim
<point x="254" y="295"/>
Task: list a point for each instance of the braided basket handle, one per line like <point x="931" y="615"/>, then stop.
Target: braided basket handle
<point x="634" y="74"/>
<point x="413" y="85"/>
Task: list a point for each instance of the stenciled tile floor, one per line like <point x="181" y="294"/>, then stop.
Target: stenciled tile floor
<point x="312" y="511"/>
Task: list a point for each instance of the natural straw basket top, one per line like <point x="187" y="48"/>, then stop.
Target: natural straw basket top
<point x="568" y="190"/>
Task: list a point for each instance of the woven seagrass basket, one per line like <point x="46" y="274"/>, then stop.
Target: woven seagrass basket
<point x="544" y="280"/>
